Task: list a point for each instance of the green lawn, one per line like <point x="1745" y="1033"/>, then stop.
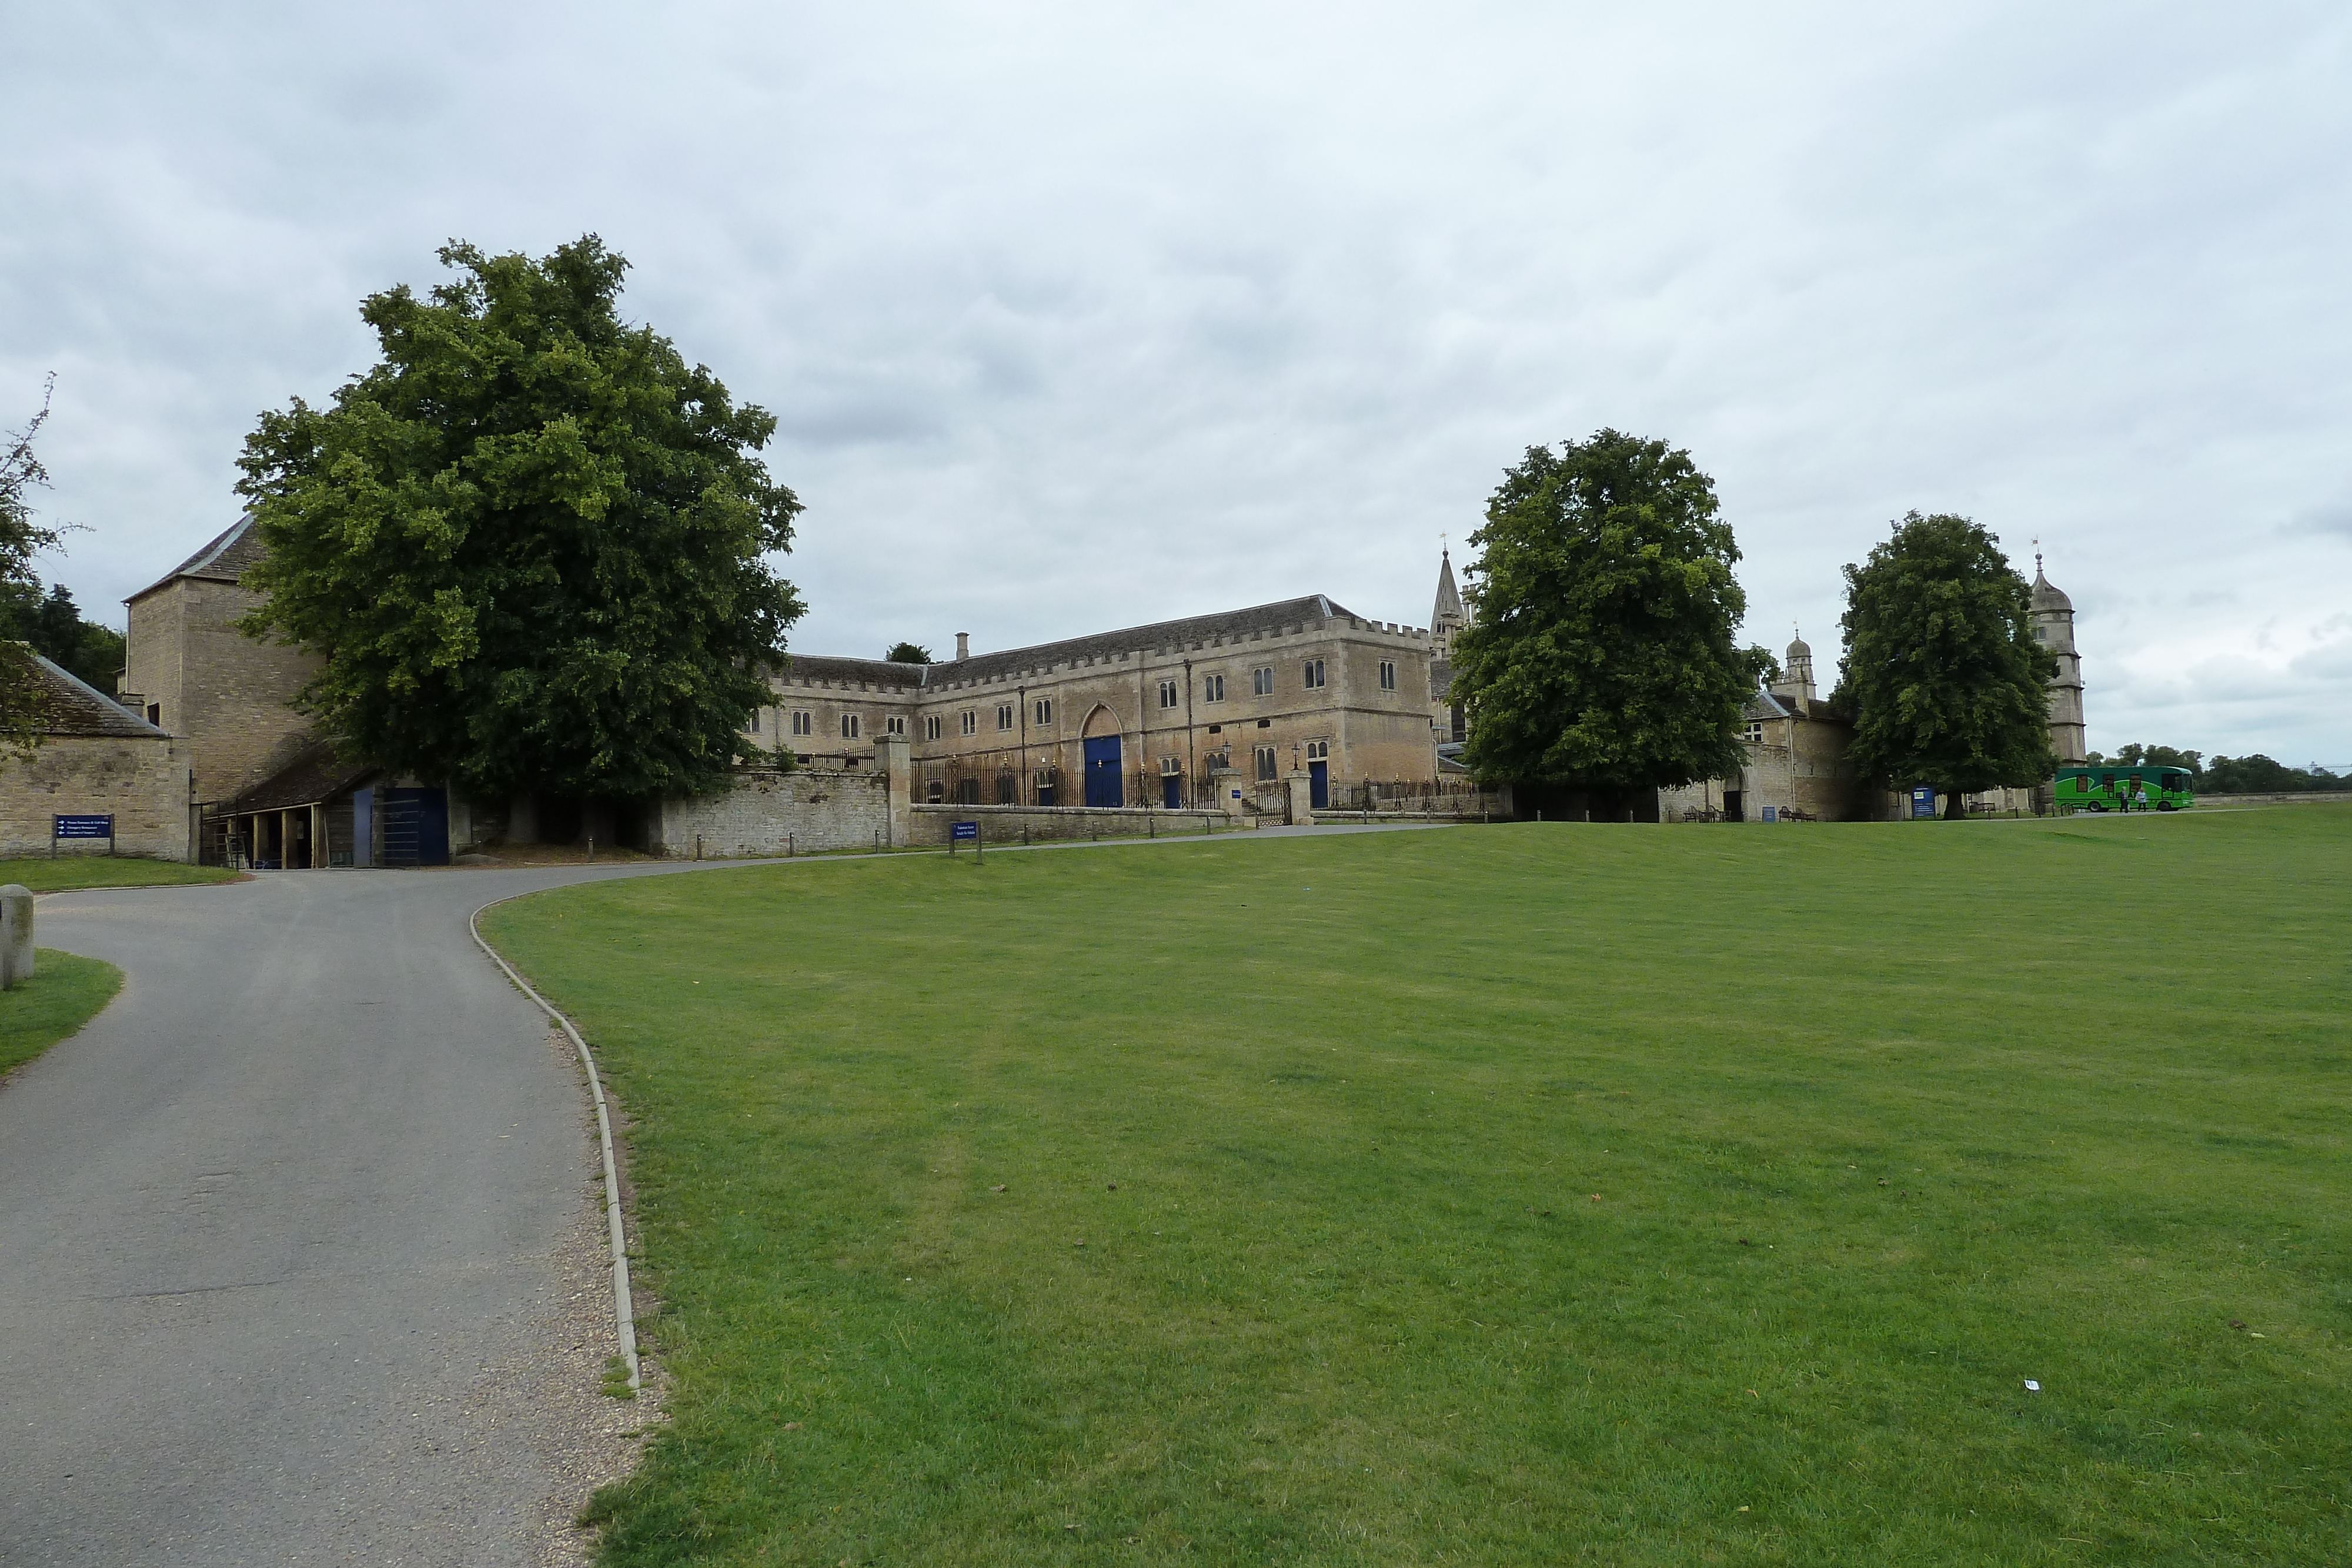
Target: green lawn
<point x="1511" y="1194"/>
<point x="43" y="874"/>
<point x="65" y="993"/>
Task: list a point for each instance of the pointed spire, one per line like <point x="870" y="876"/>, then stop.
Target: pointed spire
<point x="1448" y="613"/>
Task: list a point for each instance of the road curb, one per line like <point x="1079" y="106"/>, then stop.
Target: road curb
<point x="625" y="1317"/>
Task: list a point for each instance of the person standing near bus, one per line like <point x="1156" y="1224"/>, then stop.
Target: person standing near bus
<point x="2143" y="797"/>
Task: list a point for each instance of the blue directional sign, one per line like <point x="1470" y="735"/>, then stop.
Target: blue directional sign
<point x="1923" y="801"/>
<point x="964" y="832"/>
<point x="85" y="827"/>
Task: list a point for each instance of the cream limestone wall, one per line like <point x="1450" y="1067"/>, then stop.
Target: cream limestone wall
<point x="1372" y="732"/>
<point x="225" y="696"/>
<point x="141" y="781"/>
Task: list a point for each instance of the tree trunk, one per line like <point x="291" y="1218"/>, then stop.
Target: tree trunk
<point x="1953" y="810"/>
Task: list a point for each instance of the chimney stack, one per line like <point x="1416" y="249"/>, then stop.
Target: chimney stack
<point x="963" y="645"/>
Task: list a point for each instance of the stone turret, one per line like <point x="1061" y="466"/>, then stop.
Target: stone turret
<point x="2052" y="615"/>
<point x="1796" y="674"/>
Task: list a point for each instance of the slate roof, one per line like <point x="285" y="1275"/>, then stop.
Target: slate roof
<point x="225" y="560"/>
<point x="316" y="774"/>
<point x="1228" y="626"/>
<point x="73" y="707"/>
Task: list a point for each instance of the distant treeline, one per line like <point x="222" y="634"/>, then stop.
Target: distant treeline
<point x="2254" y="774"/>
<point x="52" y="623"/>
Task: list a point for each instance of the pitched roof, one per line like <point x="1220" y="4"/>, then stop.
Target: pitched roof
<point x="225" y="560"/>
<point x="316" y="774"/>
<point x="73" y="707"/>
<point x="1227" y="626"/>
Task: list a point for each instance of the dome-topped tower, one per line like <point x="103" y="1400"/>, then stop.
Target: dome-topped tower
<point x="1796" y="672"/>
<point x="2052" y="615"/>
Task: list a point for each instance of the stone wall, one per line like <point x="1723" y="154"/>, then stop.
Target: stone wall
<point x="197" y="677"/>
<point x="928" y="825"/>
<point x="769" y="813"/>
<point x="142" y="781"/>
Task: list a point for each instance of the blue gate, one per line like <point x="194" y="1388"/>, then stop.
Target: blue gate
<point x="1102" y="772"/>
<point x="415" y="826"/>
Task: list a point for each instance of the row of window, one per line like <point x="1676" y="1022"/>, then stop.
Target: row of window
<point x="1311" y="678"/>
<point x="800" y="722"/>
<point x="1041" y="710"/>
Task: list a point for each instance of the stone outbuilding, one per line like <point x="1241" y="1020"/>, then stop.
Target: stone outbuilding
<point x="95" y="758"/>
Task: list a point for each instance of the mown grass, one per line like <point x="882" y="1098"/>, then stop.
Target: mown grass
<point x="1525" y="1194"/>
<point x="65" y="993"/>
<point x="43" y="874"/>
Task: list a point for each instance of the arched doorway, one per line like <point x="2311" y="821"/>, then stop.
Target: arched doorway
<point x="1100" y="738"/>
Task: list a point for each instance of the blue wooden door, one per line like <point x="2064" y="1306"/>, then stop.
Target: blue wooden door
<point x="1318" y="786"/>
<point x="1172" y="790"/>
<point x="1102" y="772"/>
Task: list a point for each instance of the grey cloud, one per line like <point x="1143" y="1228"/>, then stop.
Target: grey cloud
<point x="1075" y="316"/>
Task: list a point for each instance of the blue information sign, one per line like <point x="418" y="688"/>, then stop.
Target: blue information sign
<point x="1771" y="813"/>
<point x="1923" y="801"/>
<point x="964" y="832"/>
<point x="84" y="828"/>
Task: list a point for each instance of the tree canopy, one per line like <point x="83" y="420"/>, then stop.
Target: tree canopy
<point x="51" y="624"/>
<point x="528" y="543"/>
<point x="21" y="538"/>
<point x="1600" y="654"/>
<point x="1946" y="683"/>
<point x="908" y="654"/>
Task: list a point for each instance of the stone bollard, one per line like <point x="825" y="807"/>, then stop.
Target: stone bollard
<point x="16" y="935"/>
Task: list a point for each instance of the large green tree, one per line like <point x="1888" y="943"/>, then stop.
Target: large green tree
<point x="1946" y="685"/>
<point x="1600" y="655"/>
<point x="527" y="545"/>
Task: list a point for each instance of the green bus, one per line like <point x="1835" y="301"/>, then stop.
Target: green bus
<point x="2122" y="788"/>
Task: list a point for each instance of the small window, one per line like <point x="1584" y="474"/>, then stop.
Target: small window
<point x="1005" y="715"/>
<point x="2041" y="633"/>
<point x="1213" y="688"/>
<point x="803" y="722"/>
<point x="755" y="721"/>
<point x="155" y="714"/>
<point x="1319" y="751"/>
<point x="1167" y="693"/>
<point x="1170" y="767"/>
<point x="931" y="726"/>
<point x="898" y="724"/>
<point x="1262" y="681"/>
<point x="1216" y="729"/>
<point x="849" y="727"/>
<point x="1388" y="674"/>
<point x="1265" y="724"/>
<point x="1265" y="764"/>
<point x="1754" y="733"/>
<point x="1044" y="712"/>
<point x="1314" y="670"/>
<point x="969" y="723"/>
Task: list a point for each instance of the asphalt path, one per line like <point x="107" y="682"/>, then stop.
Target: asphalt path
<point x="276" y="1224"/>
<point x="277" y="1230"/>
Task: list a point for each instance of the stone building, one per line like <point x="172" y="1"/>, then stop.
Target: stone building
<point x="194" y="675"/>
<point x="1143" y="715"/>
<point x="1796" y="768"/>
<point x="1796" y="746"/>
<point x="96" y="757"/>
<point x="1216" y="709"/>
<point x="2052" y="614"/>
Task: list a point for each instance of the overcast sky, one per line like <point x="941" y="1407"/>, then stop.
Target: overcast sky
<point x="1076" y="317"/>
